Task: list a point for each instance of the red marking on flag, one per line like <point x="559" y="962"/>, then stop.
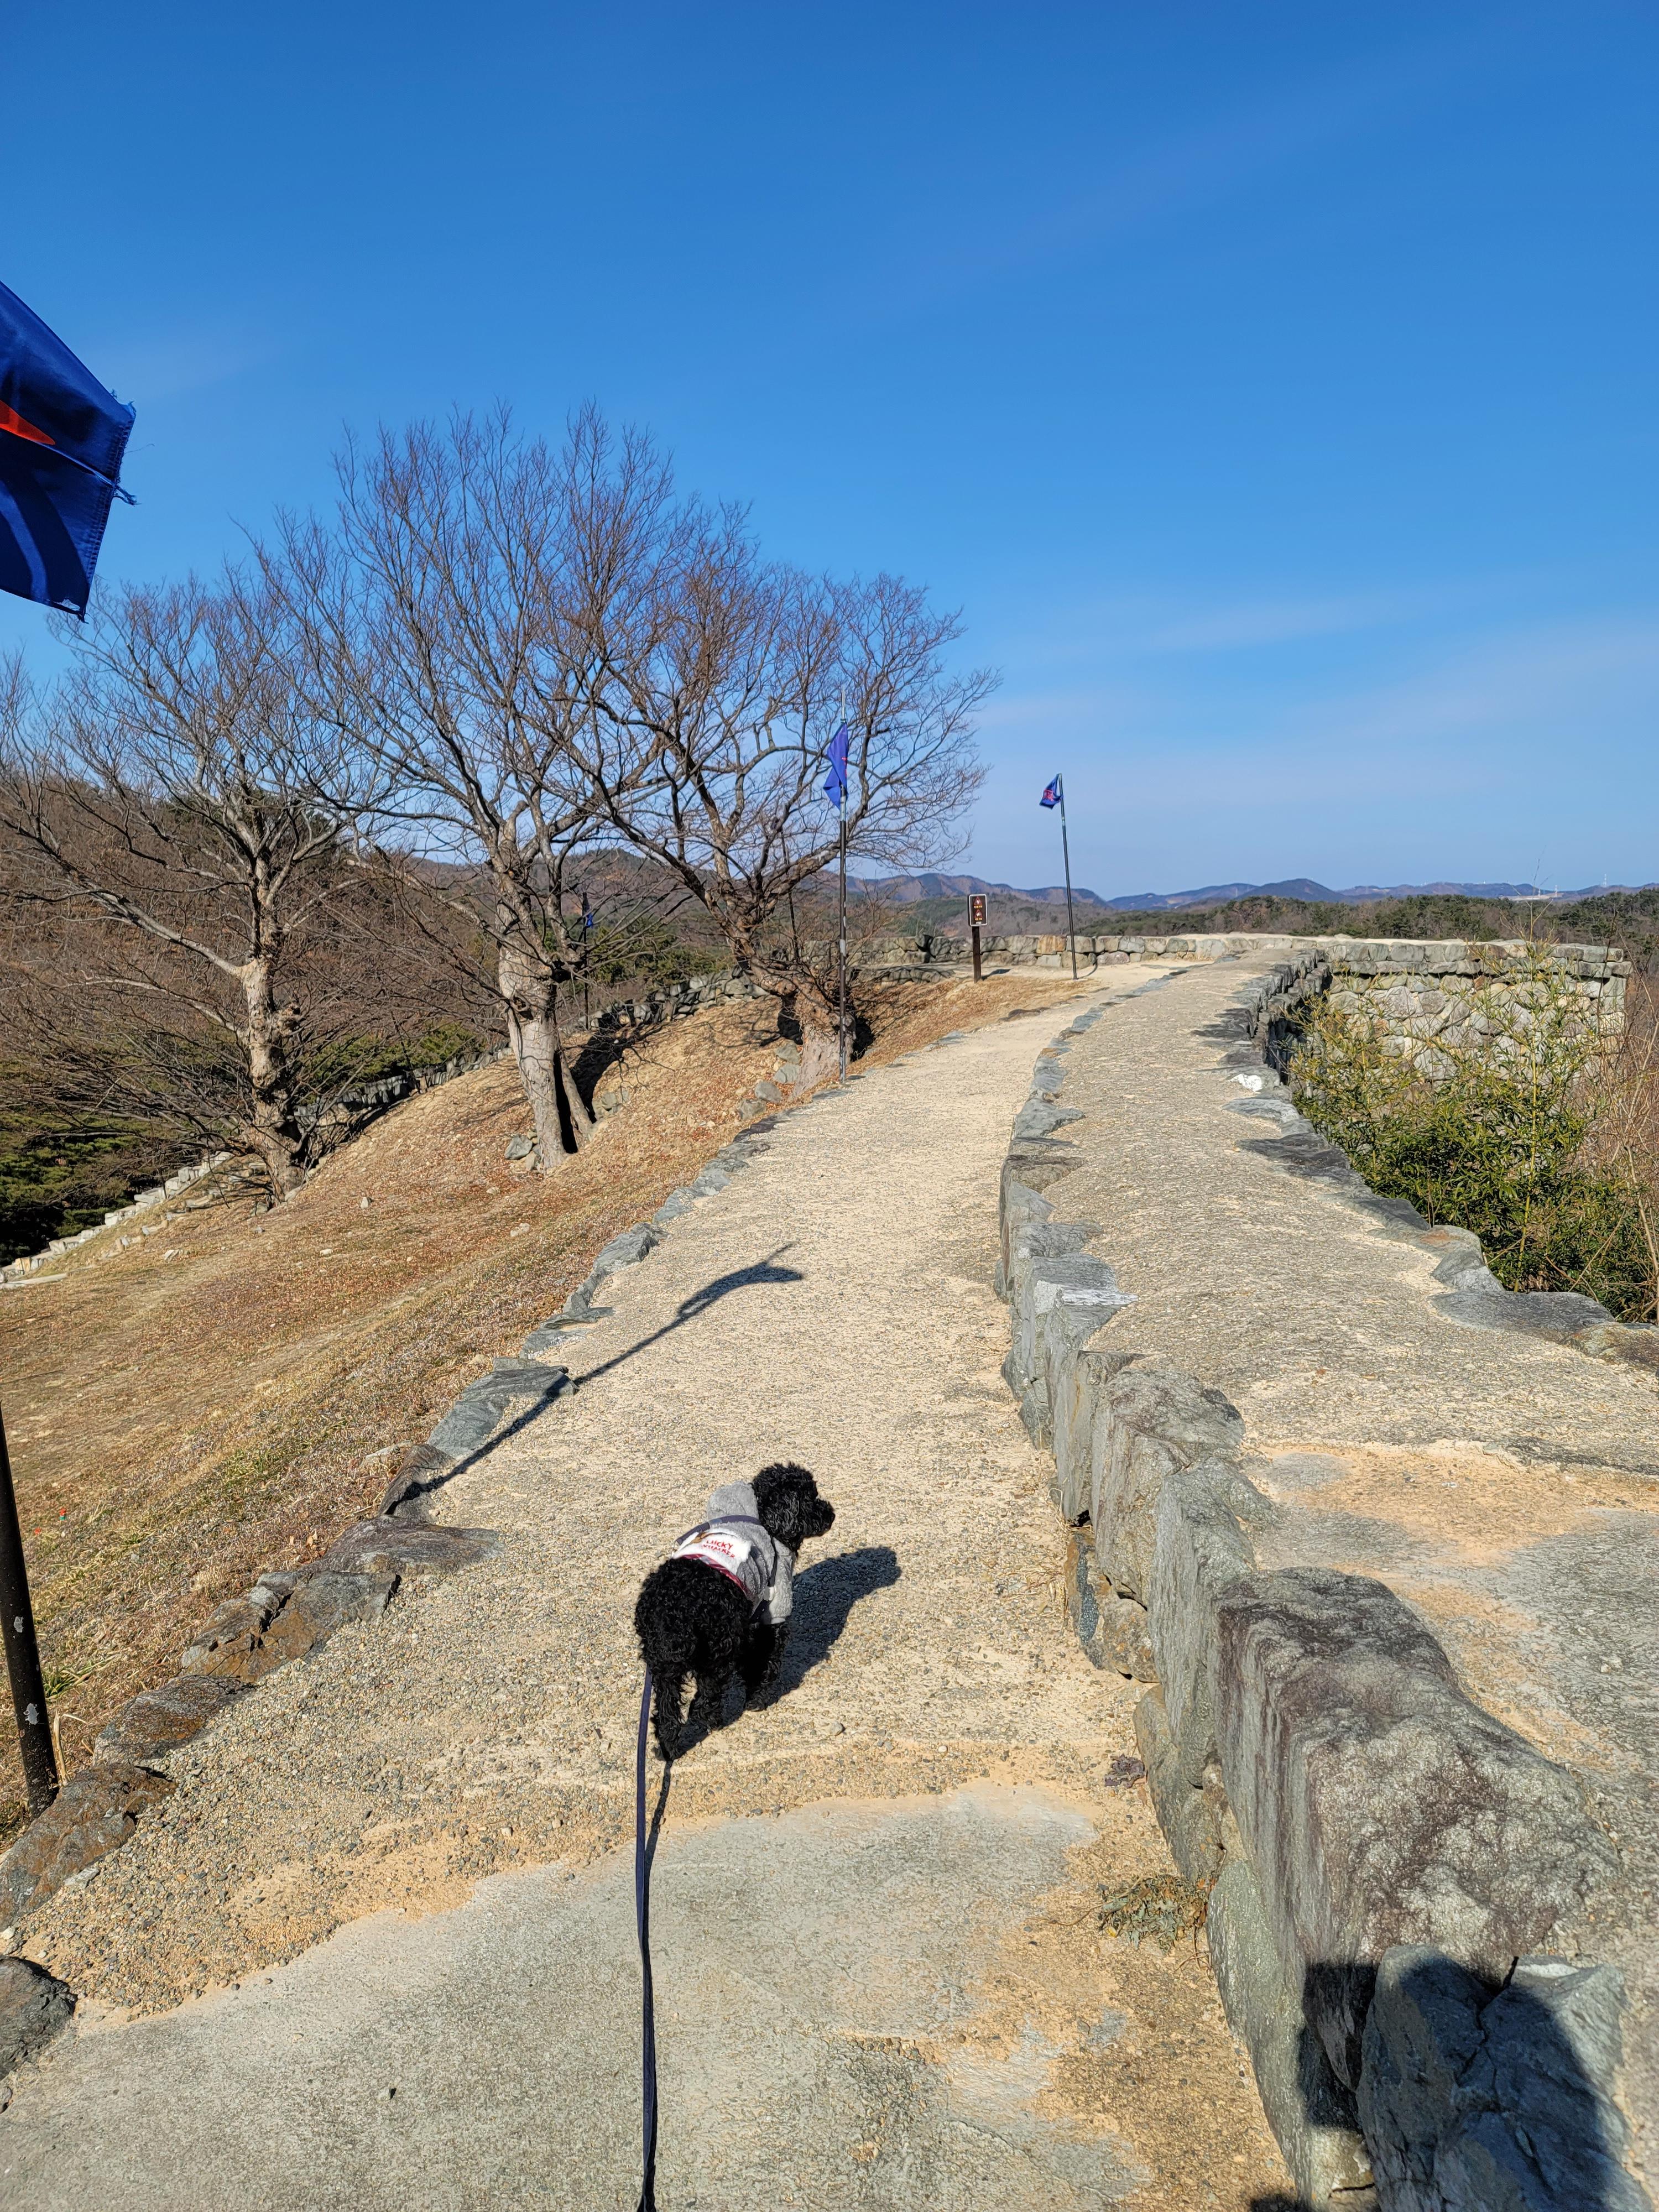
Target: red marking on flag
<point x="12" y="421"/>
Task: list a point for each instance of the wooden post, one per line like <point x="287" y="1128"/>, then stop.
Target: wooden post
<point x="975" y="923"/>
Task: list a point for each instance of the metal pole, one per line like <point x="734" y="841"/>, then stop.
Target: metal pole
<point x="28" y="1690"/>
<point x="844" y="928"/>
<point x="1066" y="849"/>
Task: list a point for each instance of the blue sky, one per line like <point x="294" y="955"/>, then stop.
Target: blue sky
<point x="1271" y="386"/>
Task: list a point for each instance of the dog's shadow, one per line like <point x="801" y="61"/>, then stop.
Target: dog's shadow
<point x="825" y="1593"/>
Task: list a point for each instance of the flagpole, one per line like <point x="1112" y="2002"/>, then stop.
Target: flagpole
<point x="841" y="1016"/>
<point x="1066" y="854"/>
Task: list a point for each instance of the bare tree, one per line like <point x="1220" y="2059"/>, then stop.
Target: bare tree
<point x="165" y="796"/>
<point x="458" y="623"/>
<point x="751" y="668"/>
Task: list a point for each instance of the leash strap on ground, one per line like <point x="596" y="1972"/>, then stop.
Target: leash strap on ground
<point x="647" y="2009"/>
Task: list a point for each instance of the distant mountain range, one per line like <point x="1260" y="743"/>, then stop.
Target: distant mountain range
<point x="906" y="890"/>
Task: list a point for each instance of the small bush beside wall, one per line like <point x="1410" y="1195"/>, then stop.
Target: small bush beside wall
<point x="1524" y="1137"/>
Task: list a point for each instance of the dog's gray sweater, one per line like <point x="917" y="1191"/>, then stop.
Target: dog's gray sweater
<point x="770" y="1570"/>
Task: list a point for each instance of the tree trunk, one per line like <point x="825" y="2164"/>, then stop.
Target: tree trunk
<point x="273" y="1130"/>
<point x="563" y="1124"/>
<point x="816" y="1009"/>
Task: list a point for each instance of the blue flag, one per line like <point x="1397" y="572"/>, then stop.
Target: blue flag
<point x="1052" y="795"/>
<point x="62" y="436"/>
<point x="835" y="784"/>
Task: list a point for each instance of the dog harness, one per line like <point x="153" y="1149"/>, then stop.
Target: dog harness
<point x="738" y="1545"/>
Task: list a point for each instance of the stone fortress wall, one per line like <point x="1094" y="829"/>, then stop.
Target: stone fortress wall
<point x="1428" y="997"/>
<point x="1384" y="1862"/>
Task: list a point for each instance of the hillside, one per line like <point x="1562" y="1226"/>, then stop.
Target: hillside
<point x="206" y="1402"/>
<point x="1629" y="919"/>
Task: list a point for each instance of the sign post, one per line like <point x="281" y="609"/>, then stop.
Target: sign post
<point x="976" y="923"/>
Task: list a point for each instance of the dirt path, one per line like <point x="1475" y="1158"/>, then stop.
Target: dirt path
<point x="882" y="1979"/>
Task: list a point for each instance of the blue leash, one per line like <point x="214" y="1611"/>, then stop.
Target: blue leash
<point x="642" y="1912"/>
<point x="643" y="1917"/>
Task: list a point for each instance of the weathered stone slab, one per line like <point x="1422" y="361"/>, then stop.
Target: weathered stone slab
<point x="1377" y="1804"/>
<point x="1307" y="2109"/>
<point x="1029" y="1244"/>
<point x="1200" y="1553"/>
<point x="1194" y="1818"/>
<point x="35" y="2006"/>
<point x="234" y="1628"/>
<point x="319" y="1605"/>
<point x="1482" y="2101"/>
<point x="1041" y="1245"/>
<point x="1112" y="1630"/>
<point x="1027" y="1172"/>
<point x="1560" y="1315"/>
<point x="158" y="1721"/>
<point x="423" y="1468"/>
<point x="1037" y="1118"/>
<point x="94" y="1813"/>
<point x="1074" y="1407"/>
<point x="307" y="1607"/>
<point x="483" y="1405"/>
<point x="629" y="1249"/>
<point x="388" y="1546"/>
<point x="1070" y="1300"/>
<point x="1157" y="1418"/>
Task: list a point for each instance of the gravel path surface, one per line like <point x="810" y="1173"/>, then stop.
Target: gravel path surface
<point x="920" y="1826"/>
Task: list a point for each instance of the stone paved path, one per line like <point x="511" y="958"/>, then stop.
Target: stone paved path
<point x="881" y="1983"/>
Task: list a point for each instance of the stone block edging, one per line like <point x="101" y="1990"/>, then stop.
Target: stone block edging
<point x="289" y="1612"/>
<point x="1385" y="1860"/>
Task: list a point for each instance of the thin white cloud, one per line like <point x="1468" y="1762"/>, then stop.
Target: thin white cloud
<point x="1283" y="622"/>
<point x="1559" y="679"/>
<point x="149" y="371"/>
<point x="1575" y="683"/>
<point x="1195" y="167"/>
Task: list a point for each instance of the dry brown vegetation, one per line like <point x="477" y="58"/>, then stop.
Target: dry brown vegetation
<point x="201" y="1405"/>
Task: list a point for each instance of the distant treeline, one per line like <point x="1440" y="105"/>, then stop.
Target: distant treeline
<point x="1629" y="920"/>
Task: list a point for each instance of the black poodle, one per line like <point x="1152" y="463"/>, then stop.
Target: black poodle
<point x="720" y="1605"/>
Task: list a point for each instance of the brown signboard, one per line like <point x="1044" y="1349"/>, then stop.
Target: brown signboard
<point x="976" y="910"/>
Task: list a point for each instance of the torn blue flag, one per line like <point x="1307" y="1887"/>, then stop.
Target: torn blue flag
<point x="62" y="436"/>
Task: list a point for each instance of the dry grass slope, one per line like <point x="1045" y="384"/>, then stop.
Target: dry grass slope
<point x="202" y="1405"/>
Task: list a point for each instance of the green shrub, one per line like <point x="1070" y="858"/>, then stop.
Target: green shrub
<point x="1503" y="1139"/>
<point x="63" y="1167"/>
<point x="637" y="943"/>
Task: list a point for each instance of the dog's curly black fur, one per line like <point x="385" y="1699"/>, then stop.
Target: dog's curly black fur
<point x="692" y="1620"/>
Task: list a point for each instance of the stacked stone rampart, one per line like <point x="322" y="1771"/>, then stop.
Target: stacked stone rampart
<point x="1382" y="1860"/>
<point x="1427" y="998"/>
